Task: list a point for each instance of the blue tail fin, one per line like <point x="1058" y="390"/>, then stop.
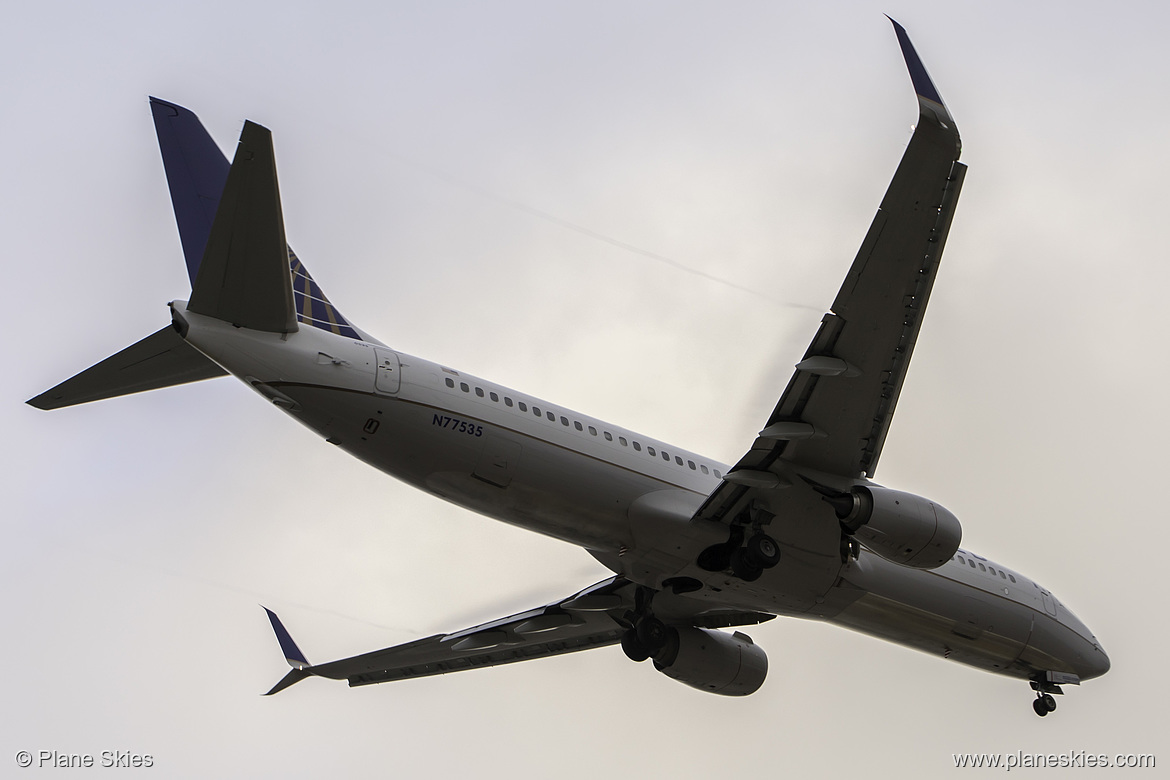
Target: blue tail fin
<point x="197" y="171"/>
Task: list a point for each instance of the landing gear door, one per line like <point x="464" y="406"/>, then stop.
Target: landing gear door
<point x="389" y="377"/>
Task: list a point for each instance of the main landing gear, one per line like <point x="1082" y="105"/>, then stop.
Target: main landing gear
<point x="647" y="635"/>
<point x="745" y="559"/>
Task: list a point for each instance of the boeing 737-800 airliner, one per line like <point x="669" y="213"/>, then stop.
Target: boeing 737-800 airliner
<point x="797" y="527"/>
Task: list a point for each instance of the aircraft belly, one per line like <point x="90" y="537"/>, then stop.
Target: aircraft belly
<point x="929" y="612"/>
<point x="489" y="469"/>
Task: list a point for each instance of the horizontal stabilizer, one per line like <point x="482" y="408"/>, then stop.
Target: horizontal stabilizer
<point x="244" y="276"/>
<point x="161" y="359"/>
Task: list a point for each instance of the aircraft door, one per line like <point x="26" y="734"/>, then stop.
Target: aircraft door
<point x="389" y="376"/>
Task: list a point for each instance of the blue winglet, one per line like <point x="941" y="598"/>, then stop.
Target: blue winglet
<point x="923" y="86"/>
<point x="296" y="659"/>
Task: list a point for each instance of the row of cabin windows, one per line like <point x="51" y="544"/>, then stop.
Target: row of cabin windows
<point x="523" y="407"/>
<point x="971" y="562"/>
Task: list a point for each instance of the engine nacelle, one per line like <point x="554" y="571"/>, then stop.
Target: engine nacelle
<point x="712" y="661"/>
<point x="901" y="527"/>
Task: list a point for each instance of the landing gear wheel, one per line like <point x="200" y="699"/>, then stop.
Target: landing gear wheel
<point x="633" y="647"/>
<point x="745" y="566"/>
<point x="764" y="549"/>
<point x="1039" y="707"/>
<point x="1049" y="702"/>
<point x="651" y="633"/>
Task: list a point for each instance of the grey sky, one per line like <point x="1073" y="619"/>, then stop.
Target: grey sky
<point x="752" y="141"/>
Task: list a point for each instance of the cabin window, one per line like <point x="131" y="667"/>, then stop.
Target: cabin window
<point x="494" y="397"/>
<point x="523" y="406"/>
<point x="565" y="421"/>
<point x="703" y="469"/>
<point x="665" y="457"/>
<point x="479" y="391"/>
<point x="961" y="561"/>
<point x="552" y="417"/>
<point x="982" y="567"/>
<point x="972" y="564"/>
<point x="592" y="431"/>
<point x="577" y="425"/>
<point x="536" y="410"/>
<point x="1011" y="577"/>
<point x="678" y="460"/>
<point x="651" y="451"/>
<point x="463" y="386"/>
<point x="992" y="570"/>
<point x="507" y="401"/>
<point x="1001" y="575"/>
<point x="691" y="463"/>
<point x="450" y="382"/>
<point x="622" y="440"/>
<point x="608" y="436"/>
<point x="637" y="447"/>
<point x="717" y="474"/>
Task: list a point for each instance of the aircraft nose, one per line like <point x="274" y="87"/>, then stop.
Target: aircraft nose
<point x="1096" y="664"/>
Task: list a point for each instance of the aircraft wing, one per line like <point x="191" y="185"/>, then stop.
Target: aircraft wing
<point x="583" y="621"/>
<point x="835" y="412"/>
<point x="594" y="617"/>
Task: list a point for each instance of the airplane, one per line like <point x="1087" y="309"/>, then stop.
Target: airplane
<point x="797" y="527"/>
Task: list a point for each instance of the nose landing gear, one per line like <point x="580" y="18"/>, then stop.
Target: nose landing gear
<point x="1043" y="704"/>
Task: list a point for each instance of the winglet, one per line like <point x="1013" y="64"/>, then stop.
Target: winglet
<point x="301" y="668"/>
<point x="296" y="659"/>
<point x="923" y="86"/>
<point x="930" y="103"/>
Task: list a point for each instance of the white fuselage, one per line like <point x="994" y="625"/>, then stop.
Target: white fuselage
<point x="522" y="461"/>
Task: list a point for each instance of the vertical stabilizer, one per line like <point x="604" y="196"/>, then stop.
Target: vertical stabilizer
<point x="196" y="170"/>
<point x="244" y="275"/>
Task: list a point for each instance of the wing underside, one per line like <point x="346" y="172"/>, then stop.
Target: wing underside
<point x="833" y="416"/>
<point x="594" y="617"/>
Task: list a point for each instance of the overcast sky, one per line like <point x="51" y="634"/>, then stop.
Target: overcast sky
<point x="419" y="146"/>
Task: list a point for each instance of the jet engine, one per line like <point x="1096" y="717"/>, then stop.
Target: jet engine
<point x="900" y="527"/>
<point x="712" y="661"/>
